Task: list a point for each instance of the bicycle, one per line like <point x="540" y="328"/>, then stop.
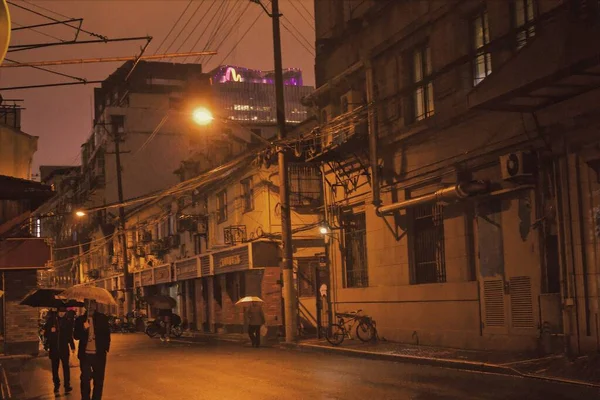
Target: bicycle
<point x="365" y="330"/>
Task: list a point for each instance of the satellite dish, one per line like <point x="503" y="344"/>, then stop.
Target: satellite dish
<point x="4" y="29"/>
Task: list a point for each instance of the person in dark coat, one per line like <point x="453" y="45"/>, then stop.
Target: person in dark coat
<point x="93" y="332"/>
<point x="166" y="316"/>
<point x="254" y="318"/>
<point x="58" y="331"/>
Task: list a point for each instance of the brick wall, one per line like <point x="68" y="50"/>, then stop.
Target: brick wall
<point x="271" y="294"/>
<point x="21" y="327"/>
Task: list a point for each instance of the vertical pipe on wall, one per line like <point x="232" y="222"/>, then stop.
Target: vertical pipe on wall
<point x="584" y="265"/>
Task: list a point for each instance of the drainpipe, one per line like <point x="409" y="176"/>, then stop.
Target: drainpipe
<point x="449" y="194"/>
<point x="375" y="188"/>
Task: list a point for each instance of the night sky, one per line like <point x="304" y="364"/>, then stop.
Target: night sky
<point x="62" y="116"/>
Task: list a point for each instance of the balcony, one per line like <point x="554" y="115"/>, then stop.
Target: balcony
<point x="346" y="132"/>
<point x="562" y="61"/>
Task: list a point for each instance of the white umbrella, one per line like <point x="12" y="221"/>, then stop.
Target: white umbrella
<point x="249" y="299"/>
<point x="95" y="293"/>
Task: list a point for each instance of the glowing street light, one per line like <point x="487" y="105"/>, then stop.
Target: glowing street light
<point x="80" y="213"/>
<point x="202" y="116"/>
<point x="324" y="230"/>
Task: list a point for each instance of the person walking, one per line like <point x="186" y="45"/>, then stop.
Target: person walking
<point x="254" y="318"/>
<point x="58" y="332"/>
<point x="93" y="332"/>
<point x="167" y="317"/>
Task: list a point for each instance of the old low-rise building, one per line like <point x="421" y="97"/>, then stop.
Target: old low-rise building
<point x="457" y="143"/>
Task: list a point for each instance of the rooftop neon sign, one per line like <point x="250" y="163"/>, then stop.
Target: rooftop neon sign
<point x="228" y="73"/>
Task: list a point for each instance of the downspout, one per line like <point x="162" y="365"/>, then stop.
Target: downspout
<point x="449" y="194"/>
<point x="372" y="121"/>
<point x="573" y="271"/>
<point x="584" y="257"/>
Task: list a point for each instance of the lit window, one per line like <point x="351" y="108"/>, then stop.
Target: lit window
<point x="523" y="15"/>
<point x="482" y="63"/>
<point x="247" y="194"/>
<point x="222" y="206"/>
<point x="423" y="106"/>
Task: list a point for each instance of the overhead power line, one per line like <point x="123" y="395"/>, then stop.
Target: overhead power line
<point x="205" y="28"/>
<point x="78" y="28"/>
<point x="183" y="29"/>
<point x="107" y="59"/>
<point x="311" y="24"/>
<point x="237" y="43"/>
<point x="173" y="27"/>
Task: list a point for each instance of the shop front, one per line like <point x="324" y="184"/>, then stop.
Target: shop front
<point x="152" y="281"/>
<point x="251" y="269"/>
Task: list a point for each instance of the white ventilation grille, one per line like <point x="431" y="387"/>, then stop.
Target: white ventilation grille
<point x="521" y="303"/>
<point x="493" y="295"/>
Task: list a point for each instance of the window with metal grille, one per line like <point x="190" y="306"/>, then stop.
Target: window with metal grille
<point x="305" y="185"/>
<point x="222" y="206"/>
<point x="355" y="242"/>
<point x="247" y="194"/>
<point x="422" y="71"/>
<point x="429" y="260"/>
<point x="482" y="61"/>
<point x="523" y="15"/>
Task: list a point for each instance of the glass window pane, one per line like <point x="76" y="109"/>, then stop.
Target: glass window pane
<point x="419" y="102"/>
<point x="477" y="33"/>
<point x="486" y="28"/>
<point x="417" y="66"/>
<point x="488" y="64"/>
<point x="428" y="67"/>
<point x="430" y="106"/>
<point x="530" y="10"/>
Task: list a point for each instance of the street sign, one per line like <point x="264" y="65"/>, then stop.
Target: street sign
<point x="4" y="30"/>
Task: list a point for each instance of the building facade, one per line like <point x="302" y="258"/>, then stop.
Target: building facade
<point x="16" y="147"/>
<point x="450" y="132"/>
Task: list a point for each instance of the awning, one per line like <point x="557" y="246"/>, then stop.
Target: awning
<point x="25" y="253"/>
<point x="560" y="62"/>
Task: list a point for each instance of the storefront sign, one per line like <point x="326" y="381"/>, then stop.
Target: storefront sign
<point x="162" y="274"/>
<point x="146" y="278"/>
<point x="231" y="260"/>
<point x="186" y="269"/>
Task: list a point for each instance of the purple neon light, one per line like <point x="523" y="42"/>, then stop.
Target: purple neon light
<point x="230" y="73"/>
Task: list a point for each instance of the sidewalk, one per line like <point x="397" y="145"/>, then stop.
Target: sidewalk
<point x="582" y="371"/>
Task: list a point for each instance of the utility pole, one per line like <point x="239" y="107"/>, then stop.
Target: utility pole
<point x="289" y="290"/>
<point x="116" y="127"/>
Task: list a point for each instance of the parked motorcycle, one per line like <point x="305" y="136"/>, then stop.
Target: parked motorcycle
<point x="121" y="325"/>
<point x="156" y="326"/>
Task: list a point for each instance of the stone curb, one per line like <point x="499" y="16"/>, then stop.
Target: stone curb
<point x="435" y="362"/>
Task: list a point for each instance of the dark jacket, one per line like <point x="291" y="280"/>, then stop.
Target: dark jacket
<point x="61" y="339"/>
<point x="101" y="329"/>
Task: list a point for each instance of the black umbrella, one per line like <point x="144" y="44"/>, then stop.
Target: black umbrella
<point x="42" y="298"/>
<point x="161" y="301"/>
<point x="72" y="303"/>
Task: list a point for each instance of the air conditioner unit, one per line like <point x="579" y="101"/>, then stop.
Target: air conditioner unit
<point x="351" y="100"/>
<point x="517" y="165"/>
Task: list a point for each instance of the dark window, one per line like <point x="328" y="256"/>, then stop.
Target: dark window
<point x="482" y="61"/>
<point x="222" y="206"/>
<point x="523" y="15"/>
<point x="197" y="244"/>
<point x="247" y="194"/>
<point x="428" y="261"/>
<point x="355" y="242"/>
<point x="118" y="123"/>
<point x="422" y="101"/>
<point x="306" y="277"/>
<point x="305" y="185"/>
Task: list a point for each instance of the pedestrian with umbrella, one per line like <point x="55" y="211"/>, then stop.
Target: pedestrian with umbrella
<point x="58" y="332"/>
<point x="254" y="317"/>
<point x="165" y="305"/>
<point x="93" y="332"/>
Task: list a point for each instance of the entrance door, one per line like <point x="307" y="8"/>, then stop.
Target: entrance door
<point x="490" y="250"/>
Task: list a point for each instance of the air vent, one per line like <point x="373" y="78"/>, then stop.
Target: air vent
<point x="521" y="303"/>
<point x="493" y="294"/>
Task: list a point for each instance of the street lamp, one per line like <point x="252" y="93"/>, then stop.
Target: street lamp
<point x="202" y="116"/>
<point x="80" y="213"/>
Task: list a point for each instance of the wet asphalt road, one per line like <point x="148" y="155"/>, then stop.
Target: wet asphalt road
<point x="143" y="368"/>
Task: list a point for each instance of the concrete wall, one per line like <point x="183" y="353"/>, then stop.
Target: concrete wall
<point x="16" y="152"/>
